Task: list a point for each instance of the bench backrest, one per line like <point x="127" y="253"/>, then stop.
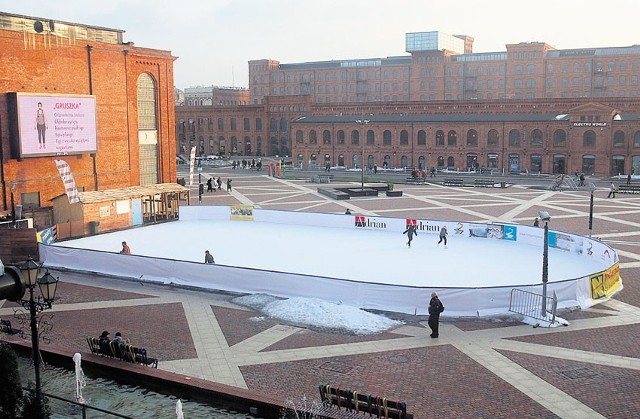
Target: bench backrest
<point x="364" y="403"/>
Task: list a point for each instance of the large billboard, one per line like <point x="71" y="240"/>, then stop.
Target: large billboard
<point x="52" y="125"/>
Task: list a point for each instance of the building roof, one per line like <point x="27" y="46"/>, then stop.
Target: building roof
<point x="350" y="119"/>
<point x="129" y="192"/>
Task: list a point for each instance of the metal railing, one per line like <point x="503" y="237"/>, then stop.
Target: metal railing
<point x="83" y="408"/>
<point x="530" y="304"/>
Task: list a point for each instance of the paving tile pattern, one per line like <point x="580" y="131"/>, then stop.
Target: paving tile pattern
<point x="612" y="392"/>
<point x="434" y="382"/>
<point x="238" y="325"/>
<point x="160" y="328"/>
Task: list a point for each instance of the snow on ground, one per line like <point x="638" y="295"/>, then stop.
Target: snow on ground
<point x="318" y="313"/>
<point x="355" y="254"/>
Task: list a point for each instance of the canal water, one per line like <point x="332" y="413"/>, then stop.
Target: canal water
<point x="133" y="401"/>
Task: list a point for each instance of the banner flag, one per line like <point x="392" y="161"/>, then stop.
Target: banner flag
<point x="192" y="163"/>
<point x="68" y="181"/>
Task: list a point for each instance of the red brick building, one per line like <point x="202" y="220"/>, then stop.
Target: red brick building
<point x="129" y="136"/>
<point x="529" y="108"/>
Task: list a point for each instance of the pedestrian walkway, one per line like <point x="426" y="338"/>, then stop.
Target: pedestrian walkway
<point x="477" y="368"/>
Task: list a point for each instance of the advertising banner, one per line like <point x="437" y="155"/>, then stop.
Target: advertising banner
<point x="242" y="212"/>
<point x="606" y="283"/>
<point x="55" y="125"/>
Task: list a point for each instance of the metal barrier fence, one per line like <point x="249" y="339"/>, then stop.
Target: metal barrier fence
<point x="529" y="304"/>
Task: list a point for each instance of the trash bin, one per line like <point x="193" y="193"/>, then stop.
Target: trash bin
<point x="389" y="186"/>
<point x="94" y="227"/>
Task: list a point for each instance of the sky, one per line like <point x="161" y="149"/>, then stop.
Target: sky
<point x="215" y="39"/>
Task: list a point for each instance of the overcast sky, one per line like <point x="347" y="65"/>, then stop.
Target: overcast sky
<point x="214" y="39"/>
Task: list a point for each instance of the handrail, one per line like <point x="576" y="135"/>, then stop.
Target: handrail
<point x="84" y="406"/>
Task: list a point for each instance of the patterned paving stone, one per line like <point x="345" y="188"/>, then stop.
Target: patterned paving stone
<point x="610" y="391"/>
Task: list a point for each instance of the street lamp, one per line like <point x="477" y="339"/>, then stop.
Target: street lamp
<point x="29" y="270"/>
<point x="362" y="122"/>
<point x="544" y="216"/>
<point x="593" y="187"/>
<point x="13" y="207"/>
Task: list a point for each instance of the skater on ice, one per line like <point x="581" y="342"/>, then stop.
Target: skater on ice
<point x="410" y="231"/>
<point x="443" y="236"/>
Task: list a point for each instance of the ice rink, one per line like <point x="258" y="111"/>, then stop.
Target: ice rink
<point x="352" y="254"/>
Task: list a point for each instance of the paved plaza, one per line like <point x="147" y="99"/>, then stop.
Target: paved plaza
<point x="476" y="369"/>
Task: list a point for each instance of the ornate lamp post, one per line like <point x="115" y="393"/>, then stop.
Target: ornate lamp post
<point x="544" y="216"/>
<point x="29" y="270"/>
<point x="362" y="122"/>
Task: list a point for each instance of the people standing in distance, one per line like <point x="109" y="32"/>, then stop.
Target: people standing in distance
<point x="208" y="257"/>
<point x="435" y="308"/>
<point x="219" y="182"/>
<point x="410" y="231"/>
<point x="228" y="185"/>
<point x="443" y="236"/>
<point x="629" y="179"/>
<point x="348" y="211"/>
<point x="536" y="222"/>
<point x="126" y="250"/>
<point x="210" y="185"/>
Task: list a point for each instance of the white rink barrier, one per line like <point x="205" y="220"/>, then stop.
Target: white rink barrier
<point x="460" y="301"/>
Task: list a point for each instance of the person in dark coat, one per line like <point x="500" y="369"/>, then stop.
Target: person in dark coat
<point x="228" y="185"/>
<point x="435" y="308"/>
<point x="208" y="258"/>
<point x="210" y="185"/>
<point x="410" y="231"/>
<point x="219" y="182"/>
<point x="536" y="222"/>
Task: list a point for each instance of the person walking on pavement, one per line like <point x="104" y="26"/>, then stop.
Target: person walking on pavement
<point x="443" y="236"/>
<point x="228" y="185"/>
<point x="210" y="185"/>
<point x="410" y="231"/>
<point x="435" y="308"/>
<point x="612" y="191"/>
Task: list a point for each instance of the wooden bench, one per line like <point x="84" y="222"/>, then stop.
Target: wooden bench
<point x="416" y="180"/>
<point x="631" y="188"/>
<point x="484" y="183"/>
<point x="122" y="351"/>
<point x="453" y="182"/>
<point x="358" y="405"/>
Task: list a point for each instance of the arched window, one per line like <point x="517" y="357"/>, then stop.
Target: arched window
<point x="404" y="137"/>
<point x="313" y="138"/>
<point x="355" y="137"/>
<point x="440" y="161"/>
<point x="451" y="162"/>
<point x="439" y="138"/>
<point x="452" y="138"/>
<point x="514" y="138"/>
<point x="341" y="138"/>
<point x="326" y="137"/>
<point x="422" y="137"/>
<point x="559" y="138"/>
<point x="636" y="139"/>
<point x="618" y="139"/>
<point x="148" y="129"/>
<point x="472" y="138"/>
<point x="386" y="137"/>
<point x="589" y="139"/>
<point x="492" y="137"/>
<point x="536" y="138"/>
<point x="371" y="138"/>
<point x="299" y="137"/>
